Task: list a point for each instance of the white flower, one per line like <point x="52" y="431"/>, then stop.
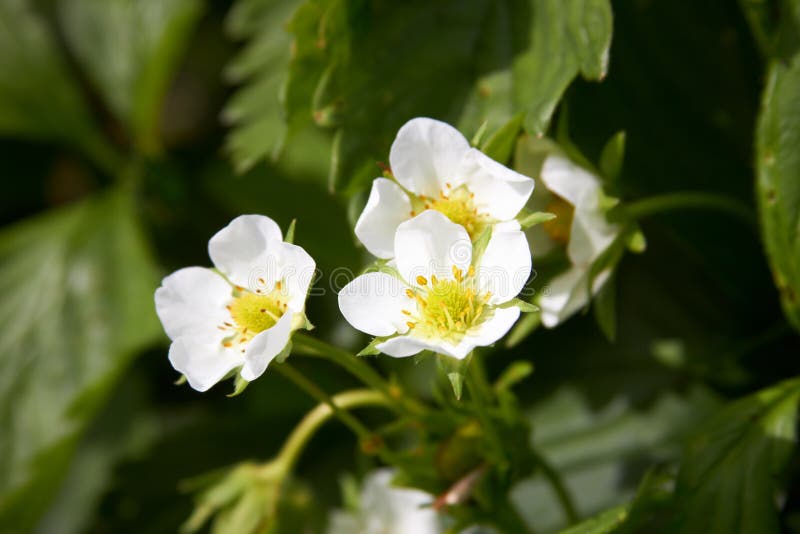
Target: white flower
<point x="242" y="314"/>
<point x="435" y="168"/>
<point x="440" y="300"/>
<point x="385" y="509"/>
<point x="576" y="197"/>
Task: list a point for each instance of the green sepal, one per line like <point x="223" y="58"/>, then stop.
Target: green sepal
<point x="454" y="369"/>
<point x="289" y="238"/>
<point x="479" y="133"/>
<point x="371" y="349"/>
<point x="524" y="307"/>
<point x="282" y="355"/>
<point x="513" y="374"/>
<point x="528" y="219"/>
<point x="480" y="244"/>
<point x="239" y="386"/>
<point x="181" y="381"/>
<point x="612" y="157"/>
<point x="500" y="145"/>
<point x="524" y="327"/>
<point x="456" y="379"/>
<point x="605" y="310"/>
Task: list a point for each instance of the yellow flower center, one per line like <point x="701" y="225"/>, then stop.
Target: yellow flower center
<point x="458" y="205"/>
<point x="252" y="313"/>
<point x="447" y="308"/>
<point x="559" y="228"/>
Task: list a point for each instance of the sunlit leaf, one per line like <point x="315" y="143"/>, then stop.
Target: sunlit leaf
<point x="130" y="50"/>
<point x="730" y="474"/>
<point x="778" y="165"/>
<point x="38" y="97"/>
<point x="354" y="69"/>
<point x="595" y="451"/>
<point x="77" y="288"/>
<point x="256" y="109"/>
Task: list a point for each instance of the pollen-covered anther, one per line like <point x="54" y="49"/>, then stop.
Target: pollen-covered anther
<point x="421" y="280"/>
<point x="252" y="313"/>
<point x="448" y="308"/>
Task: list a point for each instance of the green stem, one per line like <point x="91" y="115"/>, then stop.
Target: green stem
<point x="559" y="487"/>
<point x="358" y="368"/>
<point x="690" y="201"/>
<point x="317" y="393"/>
<point x="482" y="396"/>
<point x="314" y="419"/>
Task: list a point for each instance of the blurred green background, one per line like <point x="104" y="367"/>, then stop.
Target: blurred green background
<point x="132" y="131"/>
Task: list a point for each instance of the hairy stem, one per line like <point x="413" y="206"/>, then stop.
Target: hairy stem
<point x="314" y="419"/>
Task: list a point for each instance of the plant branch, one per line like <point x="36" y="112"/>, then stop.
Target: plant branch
<point x="690" y="200"/>
<point x="562" y="493"/>
<point x="358" y="368"/>
<point x="314" y="419"/>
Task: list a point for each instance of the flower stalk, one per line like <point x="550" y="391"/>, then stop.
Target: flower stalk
<point x="359" y="369"/>
<point x="655" y="205"/>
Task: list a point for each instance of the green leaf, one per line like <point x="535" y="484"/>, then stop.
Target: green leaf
<point x="597" y="450"/>
<point x="566" y="37"/>
<point x="731" y="472"/>
<point x="530" y="220"/>
<point x="77" y="286"/>
<point x="778" y="168"/>
<point x="130" y="50"/>
<point x="124" y="430"/>
<point x="38" y="98"/>
<point x="256" y="111"/>
<point x="471" y="62"/>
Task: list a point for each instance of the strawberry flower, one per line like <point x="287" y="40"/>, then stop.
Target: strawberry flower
<point x="241" y="315"/>
<point x="441" y="293"/>
<point x="435" y="168"/>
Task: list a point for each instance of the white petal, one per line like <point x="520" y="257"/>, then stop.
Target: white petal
<point x="505" y="266"/>
<point x="403" y="346"/>
<point x="263" y="348"/>
<point x="243" y="246"/>
<point x="203" y="360"/>
<point x="430" y="243"/>
<point x="387" y="207"/>
<point x="568" y="293"/>
<point x="426" y="154"/>
<point x="590" y="233"/>
<point x="373" y="303"/>
<point x="404" y="510"/>
<point x="569" y="181"/>
<point x="192" y="301"/>
<point x="499" y="191"/>
<point x="295" y="267"/>
<point x="496" y="327"/>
